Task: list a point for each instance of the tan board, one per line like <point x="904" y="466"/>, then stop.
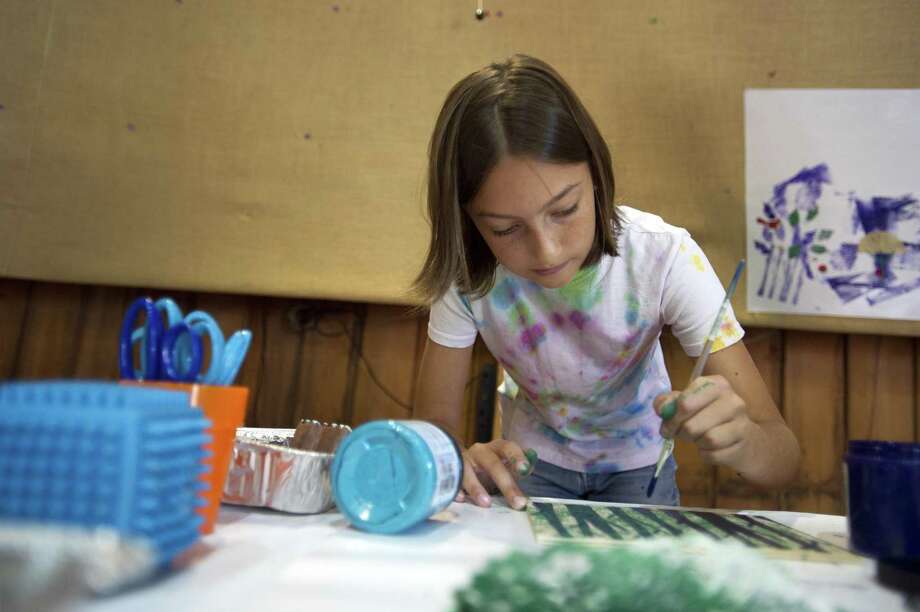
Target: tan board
<point x="279" y="149"/>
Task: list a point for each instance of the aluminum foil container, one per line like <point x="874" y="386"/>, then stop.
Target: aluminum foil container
<point x="267" y="435"/>
<point x="266" y="472"/>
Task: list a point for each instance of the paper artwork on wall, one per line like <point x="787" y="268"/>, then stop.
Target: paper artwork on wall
<point x="833" y="202"/>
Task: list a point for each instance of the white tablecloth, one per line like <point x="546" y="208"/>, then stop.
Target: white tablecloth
<point x="261" y="559"/>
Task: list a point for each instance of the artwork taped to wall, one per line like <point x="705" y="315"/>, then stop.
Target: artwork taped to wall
<point x="833" y="202"/>
<point x="600" y="524"/>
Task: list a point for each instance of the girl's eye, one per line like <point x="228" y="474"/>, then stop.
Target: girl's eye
<point x="505" y="232"/>
<point x="568" y="211"/>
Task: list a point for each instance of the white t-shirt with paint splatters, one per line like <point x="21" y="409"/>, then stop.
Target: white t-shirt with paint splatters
<point x="585" y="360"/>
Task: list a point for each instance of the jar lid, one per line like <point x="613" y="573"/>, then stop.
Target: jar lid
<point x="383" y="477"/>
<point x="884" y="450"/>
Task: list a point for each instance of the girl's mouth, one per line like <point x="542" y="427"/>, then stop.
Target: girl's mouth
<point x="551" y="271"/>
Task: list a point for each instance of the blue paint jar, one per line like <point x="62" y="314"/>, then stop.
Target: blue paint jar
<point x="390" y="475"/>
<point x="883" y="503"/>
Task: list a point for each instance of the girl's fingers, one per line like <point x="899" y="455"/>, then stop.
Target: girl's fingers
<point x="699" y="427"/>
<point x="489" y="460"/>
<point x="514" y="458"/>
<point x="496" y="463"/>
<point x="723" y="456"/>
<point x="702" y="392"/>
<point x="472" y="487"/>
<point x="721" y="436"/>
<point x="665" y="405"/>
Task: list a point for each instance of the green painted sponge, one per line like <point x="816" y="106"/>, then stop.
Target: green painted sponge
<point x="697" y="573"/>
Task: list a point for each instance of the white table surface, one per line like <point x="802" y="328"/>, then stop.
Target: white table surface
<point x="266" y="560"/>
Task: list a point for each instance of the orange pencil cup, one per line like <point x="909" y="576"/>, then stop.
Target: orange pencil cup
<point x="225" y="407"/>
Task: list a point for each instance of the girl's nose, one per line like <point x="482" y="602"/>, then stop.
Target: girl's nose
<point x="545" y="247"/>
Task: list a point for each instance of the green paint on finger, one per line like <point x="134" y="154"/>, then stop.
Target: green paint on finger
<point x="525" y="468"/>
<point x="702" y="386"/>
<point x="669" y="410"/>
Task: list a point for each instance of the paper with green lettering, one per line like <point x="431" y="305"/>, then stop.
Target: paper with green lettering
<point x="614" y="524"/>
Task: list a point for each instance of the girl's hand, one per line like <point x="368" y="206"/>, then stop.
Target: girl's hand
<point x="711" y="415"/>
<point x="487" y="467"/>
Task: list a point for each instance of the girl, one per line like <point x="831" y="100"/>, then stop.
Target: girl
<point x="570" y="293"/>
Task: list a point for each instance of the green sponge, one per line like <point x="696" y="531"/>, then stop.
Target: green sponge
<point x="574" y="577"/>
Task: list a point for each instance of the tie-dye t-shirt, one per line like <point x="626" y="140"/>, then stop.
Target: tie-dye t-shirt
<point x="585" y="360"/>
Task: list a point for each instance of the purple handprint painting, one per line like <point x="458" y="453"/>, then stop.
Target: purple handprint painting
<point x="833" y="202"/>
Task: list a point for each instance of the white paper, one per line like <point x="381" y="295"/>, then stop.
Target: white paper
<point x="833" y="202"/>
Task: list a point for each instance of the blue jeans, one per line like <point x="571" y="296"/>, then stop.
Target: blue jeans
<point x="548" y="480"/>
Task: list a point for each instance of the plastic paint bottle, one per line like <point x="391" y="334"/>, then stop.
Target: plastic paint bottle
<point x="390" y="475"/>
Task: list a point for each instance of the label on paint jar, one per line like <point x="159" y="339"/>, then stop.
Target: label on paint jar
<point x="447" y="460"/>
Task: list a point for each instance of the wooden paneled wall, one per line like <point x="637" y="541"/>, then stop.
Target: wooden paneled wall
<point x="350" y="363"/>
<point x="830" y="388"/>
<point x="332" y="361"/>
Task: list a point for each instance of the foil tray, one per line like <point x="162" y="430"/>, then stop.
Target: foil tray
<point x="266" y="472"/>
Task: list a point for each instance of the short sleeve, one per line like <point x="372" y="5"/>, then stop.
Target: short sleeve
<point x="691" y="300"/>
<point x="451" y="322"/>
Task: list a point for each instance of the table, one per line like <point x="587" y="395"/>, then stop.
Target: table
<point x="262" y="559"/>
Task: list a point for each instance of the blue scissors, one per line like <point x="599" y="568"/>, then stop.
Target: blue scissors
<point x="176" y="351"/>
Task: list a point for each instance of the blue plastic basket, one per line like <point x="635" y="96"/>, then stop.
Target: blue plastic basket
<point x="101" y="454"/>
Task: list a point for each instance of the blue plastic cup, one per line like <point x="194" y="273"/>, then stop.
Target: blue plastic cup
<point x="883" y="500"/>
<point x="390" y="475"/>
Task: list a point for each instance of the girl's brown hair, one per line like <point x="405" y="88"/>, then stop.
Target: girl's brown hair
<point x="519" y="107"/>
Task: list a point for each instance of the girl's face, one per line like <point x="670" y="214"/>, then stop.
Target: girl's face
<point x="537" y="218"/>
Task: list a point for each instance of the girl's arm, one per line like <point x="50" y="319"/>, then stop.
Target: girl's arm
<point x="441" y="385"/>
<point x="439" y="395"/>
<point x="730" y="416"/>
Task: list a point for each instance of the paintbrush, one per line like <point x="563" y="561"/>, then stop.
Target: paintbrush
<point x="670" y="408"/>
